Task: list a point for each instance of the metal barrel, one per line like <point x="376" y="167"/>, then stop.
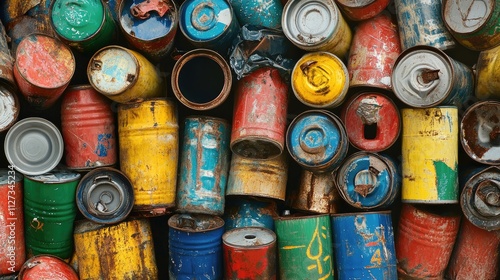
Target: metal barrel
<point x="12" y="223"/>
<point x="88" y="129"/>
<point x="105" y="195"/>
<point x="195" y="246"/>
<point x="123" y="75"/>
<point x="259" y="178"/>
<point x="421" y="23"/>
<point x="49" y="212"/>
<point x="255" y="12"/>
<point x="248" y="211"/>
<point x="320" y="80"/>
<point x="369" y="180"/>
<point x="374" y="49"/>
<point x="43" y="69"/>
<point x="249" y="253"/>
<point x="259" y="115"/>
<point x="362" y="10"/>
<point x="487" y="66"/>
<point x="480" y="132"/>
<point x="316" y="26"/>
<point x="480" y="198"/>
<point x="201" y="79"/>
<point x="85" y="26"/>
<point x="430" y="155"/>
<point x="205" y="158"/>
<point x="317" y="140"/>
<point x="364" y="245"/>
<point x="425" y="77"/>
<point x="149" y="26"/>
<point x="120" y="251"/>
<point x="424" y="241"/>
<point x="305" y="249"/>
<point x="46" y="267"/>
<point x="148" y="134"/>
<point x="373" y="119"/>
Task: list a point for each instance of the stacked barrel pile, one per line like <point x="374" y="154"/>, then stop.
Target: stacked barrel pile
<point x="250" y="139"/>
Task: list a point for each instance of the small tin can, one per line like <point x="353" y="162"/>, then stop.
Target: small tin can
<point x="314" y="25"/>
<point x="248" y="211"/>
<point x="317" y="140"/>
<point x="257" y="12"/>
<point x="46" y="266"/>
<point x="320" y="80"/>
<point x="362" y="10"/>
<point x="123" y="75"/>
<point x="201" y="79"/>
<point x="487" y="67"/>
<point x="249" y="253"/>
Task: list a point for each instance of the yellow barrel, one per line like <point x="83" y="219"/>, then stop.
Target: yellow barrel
<point x="430" y="155"/>
<point x="487" y="69"/>
<point x="320" y="80"/>
<point x="148" y="134"/>
<point x="120" y="251"/>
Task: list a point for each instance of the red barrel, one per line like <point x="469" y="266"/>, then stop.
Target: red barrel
<point x="361" y="10"/>
<point x="45" y="267"/>
<point x="88" y="129"/>
<point x="259" y="117"/>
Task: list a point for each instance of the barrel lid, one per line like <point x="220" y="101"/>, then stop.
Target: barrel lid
<point x="76" y="20"/>
<point x="44" y="61"/>
<point x="195" y="222"/>
<point x="112" y="70"/>
<point x="422" y="76"/>
<point x="56" y="176"/>
<point x="355" y="3"/>
<point x="465" y="17"/>
<point x="320" y="79"/>
<point x="202" y="20"/>
<point x="249" y="237"/>
<point x="9" y="105"/>
<point x="33" y="146"/>
<point x="309" y="22"/>
<point x="8" y="176"/>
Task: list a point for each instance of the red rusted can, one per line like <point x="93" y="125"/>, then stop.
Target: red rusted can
<point x="249" y="253"/>
<point x="373" y="120"/>
<point x="424" y="241"/>
<point x="259" y="116"/>
<point x="46" y="267"/>
<point x="374" y="49"/>
<point x="361" y="10"/>
<point x="88" y="129"/>
<point x="476" y="254"/>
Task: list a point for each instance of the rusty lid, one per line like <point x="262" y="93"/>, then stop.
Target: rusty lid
<point x="467" y="16"/>
<point x="195" y="222"/>
<point x="249" y="237"/>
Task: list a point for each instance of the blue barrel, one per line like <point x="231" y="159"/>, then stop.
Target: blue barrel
<point x="364" y="246"/>
<point x="257" y="12"/>
<point x="204" y="165"/>
<point x="195" y="246"/>
<point x="208" y="24"/>
<point x="246" y="211"/>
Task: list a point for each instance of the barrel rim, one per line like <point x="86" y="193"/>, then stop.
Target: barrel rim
<point x="271" y="233"/>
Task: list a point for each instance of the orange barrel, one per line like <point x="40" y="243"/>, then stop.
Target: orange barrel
<point x="362" y="10"/>
<point x="88" y="129"/>
<point x="45" y="267"/>
<point x="43" y="69"/>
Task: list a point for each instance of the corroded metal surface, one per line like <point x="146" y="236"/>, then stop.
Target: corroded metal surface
<point x="46" y="267"/>
<point x="358" y="10"/>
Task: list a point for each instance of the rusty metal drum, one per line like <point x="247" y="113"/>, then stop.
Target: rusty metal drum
<point x="257" y="12"/>
<point x="248" y="211"/>
<point x="487" y="66"/>
<point x="46" y="267"/>
<point x="362" y="10"/>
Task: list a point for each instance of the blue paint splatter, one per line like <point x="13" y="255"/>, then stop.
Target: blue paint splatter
<point x="103" y="144"/>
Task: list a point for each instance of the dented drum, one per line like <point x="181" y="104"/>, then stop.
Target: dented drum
<point x="316" y="193"/>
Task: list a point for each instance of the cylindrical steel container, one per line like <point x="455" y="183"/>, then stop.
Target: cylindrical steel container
<point x="364" y="246"/>
<point x="12" y="245"/>
<point x="259" y="115"/>
<point x="262" y="178"/>
<point x="473" y="24"/>
<point x="480" y="132"/>
<point x="204" y="162"/>
<point x="88" y="129"/>
<point x="421" y="23"/>
<point x="487" y="67"/>
<point x="105" y="195"/>
<point x="195" y="246"/>
<point x="121" y="251"/>
<point x="362" y="10"/>
<point x="316" y="193"/>
<point x="314" y="25"/>
<point x="123" y="75"/>
<point x="317" y="140"/>
<point x="320" y="80"/>
<point x="148" y="135"/>
<point x="249" y="253"/>
<point x="374" y="49"/>
<point x="373" y="120"/>
<point x="49" y="213"/>
<point x="257" y="12"/>
<point x="426" y="77"/>
<point x="430" y="155"/>
<point x="368" y="180"/>
<point x="44" y="267"/>
<point x="83" y="25"/>
<point x="476" y="253"/>
<point x="305" y="249"/>
<point x="480" y="198"/>
<point x="43" y="69"/>
<point x="248" y="211"/>
<point x="149" y="26"/>
<point x="201" y="79"/>
<point x="424" y="242"/>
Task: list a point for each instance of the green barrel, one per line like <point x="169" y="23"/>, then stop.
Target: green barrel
<point x="85" y="25"/>
<point x="49" y="213"/>
<point x="305" y="247"/>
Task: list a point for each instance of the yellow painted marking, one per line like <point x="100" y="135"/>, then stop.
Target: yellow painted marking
<point x="293" y="247"/>
<point x="312" y="266"/>
<point x="326" y="258"/>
